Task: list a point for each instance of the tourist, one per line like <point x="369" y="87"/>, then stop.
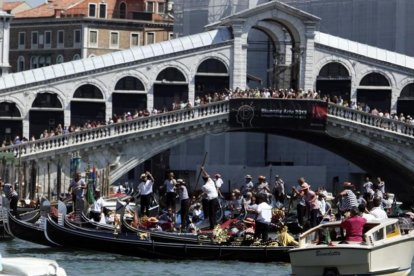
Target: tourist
<point x="362" y="208"/>
<point x="97" y="206"/>
<point x="248" y="185"/>
<point x="170" y="189"/>
<point x="353" y="226"/>
<point x="377" y="210"/>
<point x="145" y="192"/>
<point x="264" y="217"/>
<point x="167" y="220"/>
<point x="262" y="187"/>
<point x="184" y="203"/>
<point x="76" y="188"/>
<point x="347" y="198"/>
<point x="210" y="190"/>
<point x="367" y="189"/>
<point x="381" y="185"/>
<point x="279" y="190"/>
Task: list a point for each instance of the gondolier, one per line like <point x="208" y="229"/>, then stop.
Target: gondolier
<point x="210" y="190"/>
<point x="145" y="192"/>
<point x="12" y="196"/>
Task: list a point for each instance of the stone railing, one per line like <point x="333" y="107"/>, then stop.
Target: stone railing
<point x="178" y="117"/>
<point x="118" y="129"/>
<point x="372" y="120"/>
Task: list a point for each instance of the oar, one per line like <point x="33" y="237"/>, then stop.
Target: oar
<point x="199" y="174"/>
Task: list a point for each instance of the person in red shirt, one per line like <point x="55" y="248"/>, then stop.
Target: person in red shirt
<point x="354" y="226"/>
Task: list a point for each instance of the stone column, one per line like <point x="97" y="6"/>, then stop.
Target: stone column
<point x="191" y="89"/>
<point x="239" y="69"/>
<point x="306" y="80"/>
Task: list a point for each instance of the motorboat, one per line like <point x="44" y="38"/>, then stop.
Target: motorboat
<point x="386" y="250"/>
<point x="26" y="266"/>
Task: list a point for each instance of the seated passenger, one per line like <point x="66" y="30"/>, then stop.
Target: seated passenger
<point x="153" y="224"/>
<point x="353" y="226"/>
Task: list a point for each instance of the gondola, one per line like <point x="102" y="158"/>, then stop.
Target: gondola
<point x="131" y="244"/>
<point x="29" y="229"/>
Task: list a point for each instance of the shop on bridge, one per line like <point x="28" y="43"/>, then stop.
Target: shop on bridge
<point x="212" y="76"/>
<point x="334" y="80"/>
<point x="10" y="122"/>
<point x="129" y="96"/>
<point x="170" y="89"/>
<point x="405" y="103"/>
<point x="375" y="91"/>
<point x="87" y="105"/>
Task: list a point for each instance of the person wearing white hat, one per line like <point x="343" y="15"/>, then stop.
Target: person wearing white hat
<point x="145" y="191"/>
<point x="248" y="185"/>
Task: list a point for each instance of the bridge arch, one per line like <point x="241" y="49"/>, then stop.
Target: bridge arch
<point x="375" y="90"/>
<point x="88" y="101"/>
<point x="212" y="75"/>
<point x="170" y="88"/>
<point x="129" y="95"/>
<point x="46" y="114"/>
<point x="11" y="121"/>
<point x="405" y="102"/>
<point x="334" y="79"/>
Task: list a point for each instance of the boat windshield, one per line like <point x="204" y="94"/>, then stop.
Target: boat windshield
<point x="324" y="234"/>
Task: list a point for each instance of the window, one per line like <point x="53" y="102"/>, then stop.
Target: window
<point x="34" y="62"/>
<point x="102" y="10"/>
<point x="122" y="10"/>
<point x="93" y="38"/>
<point x="35" y="39"/>
<point x="134" y="39"/>
<point x="59" y="59"/>
<point x="170" y="36"/>
<point x="60" y="39"/>
<point x="76" y="38"/>
<point x="48" y="39"/>
<point x="76" y="57"/>
<point x="114" y="42"/>
<point x="92" y="10"/>
<point x="20" y="64"/>
<point x="22" y="40"/>
<point x="150" y="38"/>
<point x="161" y="8"/>
<point x="150" y="7"/>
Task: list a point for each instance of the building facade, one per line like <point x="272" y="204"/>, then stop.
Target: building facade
<point x="61" y="31"/>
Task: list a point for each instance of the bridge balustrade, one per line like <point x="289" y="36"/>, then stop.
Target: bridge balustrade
<point x="370" y="119"/>
<point x="117" y="129"/>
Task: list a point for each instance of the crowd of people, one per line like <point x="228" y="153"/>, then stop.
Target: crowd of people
<point x="215" y="97"/>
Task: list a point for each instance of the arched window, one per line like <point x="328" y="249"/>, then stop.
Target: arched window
<point x="59" y="59"/>
<point x="88" y="91"/>
<point x="47" y="100"/>
<point x="334" y="70"/>
<point x="374" y="79"/>
<point x="34" y="62"/>
<point x="408" y="92"/>
<point x="20" y="64"/>
<point x="76" y="57"/>
<point x="171" y="74"/>
<point x="212" y="66"/>
<point x="129" y="83"/>
<point x="122" y="10"/>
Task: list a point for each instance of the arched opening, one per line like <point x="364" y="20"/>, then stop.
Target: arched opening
<point x="405" y="103"/>
<point x="212" y="76"/>
<point x="46" y="114"/>
<point x="87" y="105"/>
<point x="273" y="57"/>
<point x="334" y="80"/>
<point x="129" y="96"/>
<point x="374" y="91"/>
<point x="20" y="64"/>
<point x="122" y="10"/>
<point x="170" y="89"/>
<point x="10" y="123"/>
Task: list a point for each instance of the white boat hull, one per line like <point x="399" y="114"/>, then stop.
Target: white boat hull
<point x="391" y="258"/>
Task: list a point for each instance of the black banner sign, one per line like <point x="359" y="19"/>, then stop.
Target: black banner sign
<point x="278" y="113"/>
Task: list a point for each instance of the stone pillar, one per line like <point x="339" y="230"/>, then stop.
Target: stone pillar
<point x="108" y="109"/>
<point x="239" y="69"/>
<point x="67" y="115"/>
<point x="5" y="19"/>
<point x="306" y="80"/>
<point x="191" y="90"/>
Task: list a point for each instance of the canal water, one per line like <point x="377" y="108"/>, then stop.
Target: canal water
<point x="79" y="262"/>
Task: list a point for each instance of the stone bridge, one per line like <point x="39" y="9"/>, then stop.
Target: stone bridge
<point x="375" y="144"/>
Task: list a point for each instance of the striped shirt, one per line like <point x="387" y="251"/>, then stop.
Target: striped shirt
<point x="348" y="201"/>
